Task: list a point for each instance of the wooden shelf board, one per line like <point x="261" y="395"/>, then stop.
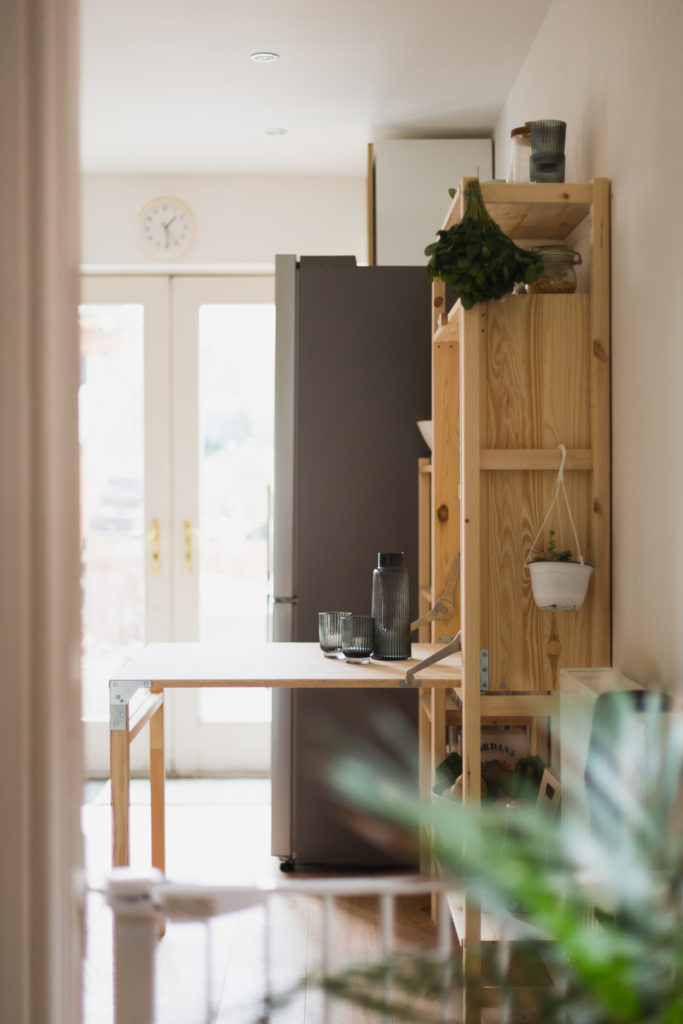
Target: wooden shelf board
<point x="498" y="704"/>
<point x="534" y="459"/>
<point x="534" y="211"/>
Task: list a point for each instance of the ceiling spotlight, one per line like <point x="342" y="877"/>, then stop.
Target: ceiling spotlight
<point x="275" y="131"/>
<point x="264" y="57"/>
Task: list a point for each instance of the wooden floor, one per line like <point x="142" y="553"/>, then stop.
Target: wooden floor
<point x="218" y="831"/>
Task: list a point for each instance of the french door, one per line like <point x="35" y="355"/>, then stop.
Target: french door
<point x="176" y="454"/>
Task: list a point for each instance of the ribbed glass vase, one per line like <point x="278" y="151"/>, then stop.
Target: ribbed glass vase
<point x="391" y="607"/>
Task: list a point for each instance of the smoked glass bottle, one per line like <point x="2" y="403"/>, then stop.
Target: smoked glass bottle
<point x="391" y="607"/>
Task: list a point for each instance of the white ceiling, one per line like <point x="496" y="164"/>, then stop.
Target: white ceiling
<point x="168" y="86"/>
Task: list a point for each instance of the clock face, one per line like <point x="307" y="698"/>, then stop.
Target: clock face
<point x="166" y="226"/>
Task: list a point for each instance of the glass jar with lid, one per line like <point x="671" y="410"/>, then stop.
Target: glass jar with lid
<point x="520" y="152"/>
<point x="558" y="274"/>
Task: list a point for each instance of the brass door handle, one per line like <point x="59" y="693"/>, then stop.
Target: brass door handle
<point x="155" y="540"/>
<point x="188" y="545"/>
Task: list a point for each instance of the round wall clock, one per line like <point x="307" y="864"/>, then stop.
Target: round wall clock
<point x="166" y="226"/>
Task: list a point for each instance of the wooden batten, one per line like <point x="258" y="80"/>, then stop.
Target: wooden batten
<point x="601" y="647"/>
<point x="535" y="458"/>
<point x="445" y="516"/>
<point x="424" y="546"/>
<point x="474" y="331"/>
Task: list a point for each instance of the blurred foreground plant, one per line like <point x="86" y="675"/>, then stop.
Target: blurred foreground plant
<point x="602" y="886"/>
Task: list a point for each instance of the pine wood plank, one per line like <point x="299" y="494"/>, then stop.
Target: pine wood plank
<point x="474" y="334"/>
<point x="120" y="789"/>
<point x="445" y="475"/>
<point x="301" y="665"/>
<point x="157" y="781"/>
<point x="535" y="458"/>
<point x="601" y="647"/>
<point x="538" y="373"/>
<point x="424" y="544"/>
<point x="533" y="212"/>
<point x="534" y="350"/>
<point x="473" y="340"/>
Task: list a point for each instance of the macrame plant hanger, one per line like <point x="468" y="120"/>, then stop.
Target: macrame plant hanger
<point x="560" y="493"/>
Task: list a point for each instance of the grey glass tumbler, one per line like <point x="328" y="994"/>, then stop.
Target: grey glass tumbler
<point x="329" y="632"/>
<point x="357" y="637"/>
<point x="391" y="607"/>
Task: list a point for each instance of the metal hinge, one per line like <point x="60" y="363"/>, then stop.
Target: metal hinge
<point x="483" y="670"/>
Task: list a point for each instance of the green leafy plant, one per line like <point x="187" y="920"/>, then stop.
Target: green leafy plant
<point x="552" y="553"/>
<point x="477" y="259"/>
<point x="602" y="885"/>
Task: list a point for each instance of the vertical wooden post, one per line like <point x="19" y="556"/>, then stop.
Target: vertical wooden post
<point x="120" y="794"/>
<point x="601" y="648"/>
<point x="157" y="780"/>
<point x="445" y="471"/>
<point x="424" y="545"/>
<point x="474" y="326"/>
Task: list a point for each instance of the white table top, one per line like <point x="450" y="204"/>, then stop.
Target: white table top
<point x="275" y="665"/>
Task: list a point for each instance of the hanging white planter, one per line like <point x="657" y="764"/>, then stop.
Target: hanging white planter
<point x="558" y="583"/>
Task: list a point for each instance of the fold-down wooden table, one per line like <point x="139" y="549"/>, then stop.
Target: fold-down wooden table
<point x="137" y="698"/>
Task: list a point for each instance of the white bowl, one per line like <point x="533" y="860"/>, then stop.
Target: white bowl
<point x="426" y="428"/>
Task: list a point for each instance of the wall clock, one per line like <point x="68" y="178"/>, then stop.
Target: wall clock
<point x="167" y="227"/>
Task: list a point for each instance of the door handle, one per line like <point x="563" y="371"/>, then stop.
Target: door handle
<point x="155" y="541"/>
<point x="188" y="544"/>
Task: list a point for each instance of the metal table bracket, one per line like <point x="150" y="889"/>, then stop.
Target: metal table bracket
<point x="451" y="648"/>
<point x="120" y="693"/>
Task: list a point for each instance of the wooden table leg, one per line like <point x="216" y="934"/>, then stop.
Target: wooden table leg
<point x="157" y="780"/>
<point x="119" y="750"/>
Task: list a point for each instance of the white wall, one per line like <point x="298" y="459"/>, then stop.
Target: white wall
<point x="240" y="220"/>
<point x="612" y="69"/>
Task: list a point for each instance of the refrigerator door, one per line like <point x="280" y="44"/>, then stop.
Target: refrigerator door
<point x="355" y="352"/>
<point x="284" y="499"/>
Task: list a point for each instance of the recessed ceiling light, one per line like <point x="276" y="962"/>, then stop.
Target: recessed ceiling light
<point x="264" y="57"/>
<point x="275" y="131"/>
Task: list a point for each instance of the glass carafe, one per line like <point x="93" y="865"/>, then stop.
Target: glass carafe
<point x="391" y="607"/>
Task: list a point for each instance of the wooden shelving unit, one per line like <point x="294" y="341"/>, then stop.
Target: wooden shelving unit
<point x="512" y="380"/>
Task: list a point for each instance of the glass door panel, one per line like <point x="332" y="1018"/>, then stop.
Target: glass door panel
<point x="112" y="506"/>
<point x="236" y="385"/>
<point x="224" y="358"/>
<point x="123" y="409"/>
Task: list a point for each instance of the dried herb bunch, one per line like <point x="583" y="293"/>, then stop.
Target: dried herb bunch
<point x="476" y="258"/>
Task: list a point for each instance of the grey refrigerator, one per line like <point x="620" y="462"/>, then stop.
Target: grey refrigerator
<point x="352" y="378"/>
